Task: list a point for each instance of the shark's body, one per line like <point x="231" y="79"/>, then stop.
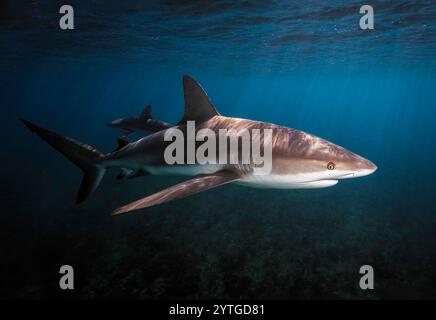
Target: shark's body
<point x="299" y="160"/>
<point x="144" y="123"/>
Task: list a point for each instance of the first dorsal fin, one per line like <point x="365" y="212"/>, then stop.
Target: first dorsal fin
<point x="198" y="106"/>
<point x="146" y="114"/>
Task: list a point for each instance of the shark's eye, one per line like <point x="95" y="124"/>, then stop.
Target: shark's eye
<point x="330" y="165"/>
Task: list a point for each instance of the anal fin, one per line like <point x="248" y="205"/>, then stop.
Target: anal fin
<point x="124" y="173"/>
<point x="139" y="173"/>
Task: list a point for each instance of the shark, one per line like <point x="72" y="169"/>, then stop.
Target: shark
<point x="299" y="160"/>
<point x="143" y="123"/>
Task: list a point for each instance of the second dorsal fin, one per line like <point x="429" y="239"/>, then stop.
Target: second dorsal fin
<point x="146" y="114"/>
<point x="198" y="106"/>
<point x="121" y="143"/>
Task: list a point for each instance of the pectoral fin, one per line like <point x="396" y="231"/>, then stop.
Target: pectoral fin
<point x="181" y="190"/>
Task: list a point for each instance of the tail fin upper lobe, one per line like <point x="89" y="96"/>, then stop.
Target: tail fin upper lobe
<point x="84" y="156"/>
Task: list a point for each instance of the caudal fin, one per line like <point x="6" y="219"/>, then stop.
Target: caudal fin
<point x="84" y="156"/>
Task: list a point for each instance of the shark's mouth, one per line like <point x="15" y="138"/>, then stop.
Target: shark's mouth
<point x="316" y="184"/>
<point x="347" y="175"/>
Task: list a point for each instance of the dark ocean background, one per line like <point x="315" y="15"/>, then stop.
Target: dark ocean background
<point x="306" y="65"/>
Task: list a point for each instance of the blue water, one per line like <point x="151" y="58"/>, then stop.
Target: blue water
<point x="307" y="66"/>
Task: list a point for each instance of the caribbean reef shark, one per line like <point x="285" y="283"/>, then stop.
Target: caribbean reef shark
<point x="144" y="123"/>
<point x="299" y="160"/>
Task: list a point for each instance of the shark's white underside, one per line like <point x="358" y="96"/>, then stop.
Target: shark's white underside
<point x="275" y="181"/>
<point x="284" y="182"/>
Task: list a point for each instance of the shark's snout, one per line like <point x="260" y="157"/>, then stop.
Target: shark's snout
<point x="366" y="168"/>
<point x="358" y="167"/>
<point x="362" y="168"/>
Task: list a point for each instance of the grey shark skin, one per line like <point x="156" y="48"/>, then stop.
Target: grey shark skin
<point x="144" y="123"/>
<point x="299" y="160"/>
